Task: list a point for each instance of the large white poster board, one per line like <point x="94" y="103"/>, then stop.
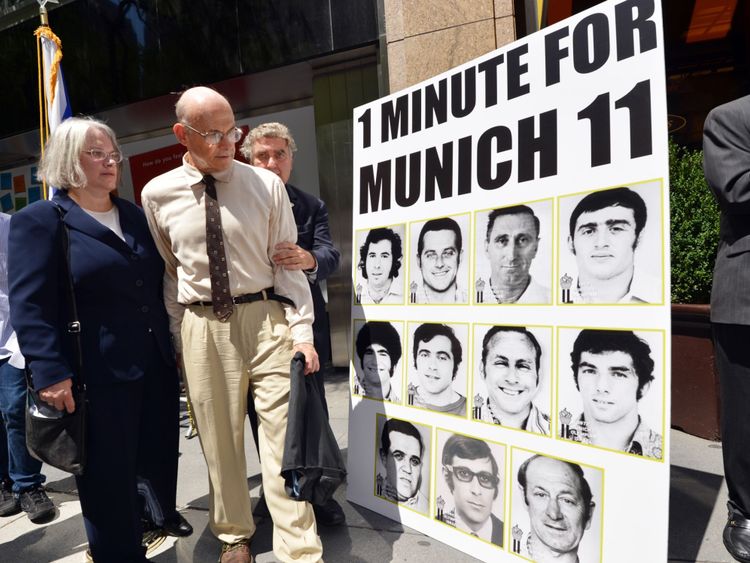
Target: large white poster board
<point x="511" y="322"/>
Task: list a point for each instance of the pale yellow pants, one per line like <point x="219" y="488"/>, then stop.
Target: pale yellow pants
<point x="254" y="348"/>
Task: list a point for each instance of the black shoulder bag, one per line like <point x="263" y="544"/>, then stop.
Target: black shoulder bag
<point x="58" y="438"/>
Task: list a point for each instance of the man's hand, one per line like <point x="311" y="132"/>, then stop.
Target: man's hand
<point x="312" y="364"/>
<point x="292" y="257"/>
<point x="59" y="395"/>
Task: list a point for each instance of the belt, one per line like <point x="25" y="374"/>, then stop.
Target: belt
<point x="267" y="294"/>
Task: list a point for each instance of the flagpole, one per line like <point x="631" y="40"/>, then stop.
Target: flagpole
<point x="44" y="21"/>
<point x="47" y="92"/>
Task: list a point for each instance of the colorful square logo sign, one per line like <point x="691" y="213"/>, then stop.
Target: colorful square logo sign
<point x="19" y="184"/>
<point x="34" y="193"/>
<point x="6" y="181"/>
<point x="6" y="203"/>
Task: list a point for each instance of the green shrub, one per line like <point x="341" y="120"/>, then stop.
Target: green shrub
<point x="694" y="226"/>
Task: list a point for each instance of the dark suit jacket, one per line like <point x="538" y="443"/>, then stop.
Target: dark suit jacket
<point x="118" y="286"/>
<point x="314" y="235"/>
<point x="312" y="465"/>
<point x="497" y="530"/>
<point x="726" y="163"/>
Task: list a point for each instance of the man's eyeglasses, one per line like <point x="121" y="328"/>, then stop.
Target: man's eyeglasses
<point x="279" y="156"/>
<point x="445" y="256"/>
<point x="398" y="455"/>
<point x="486" y="479"/>
<point x="215" y="137"/>
<point x="99" y="155"/>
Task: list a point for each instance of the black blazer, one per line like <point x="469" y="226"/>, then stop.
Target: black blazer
<point x="497" y="530"/>
<point x="314" y="235"/>
<point x="312" y="465"/>
<point x="118" y="286"/>
<point x="726" y="163"/>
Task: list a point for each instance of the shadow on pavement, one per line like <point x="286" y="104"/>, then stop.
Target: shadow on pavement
<point x="34" y="545"/>
<point x="691" y="501"/>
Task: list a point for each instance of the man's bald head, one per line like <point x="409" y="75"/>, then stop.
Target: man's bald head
<point x="202" y="113"/>
<point x="196" y="100"/>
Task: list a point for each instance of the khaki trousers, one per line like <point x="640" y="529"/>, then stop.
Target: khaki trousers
<point x="253" y="349"/>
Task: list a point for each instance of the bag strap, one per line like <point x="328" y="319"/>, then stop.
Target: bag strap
<point x="73" y="326"/>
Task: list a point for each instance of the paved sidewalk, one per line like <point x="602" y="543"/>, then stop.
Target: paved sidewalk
<point x="698" y="496"/>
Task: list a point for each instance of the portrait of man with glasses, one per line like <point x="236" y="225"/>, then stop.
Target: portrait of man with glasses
<point x="471" y="474"/>
<point x="403" y="456"/>
<point x="440" y="275"/>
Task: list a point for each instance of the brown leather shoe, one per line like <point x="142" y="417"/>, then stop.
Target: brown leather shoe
<point x="238" y="552"/>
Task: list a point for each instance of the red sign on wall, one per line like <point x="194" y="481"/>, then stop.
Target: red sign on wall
<point x="148" y="165"/>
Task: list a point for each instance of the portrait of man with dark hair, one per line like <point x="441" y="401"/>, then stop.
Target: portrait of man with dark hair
<point x="605" y="232"/>
<point x="378" y="355"/>
<point x="560" y="505"/>
<point x="511" y="244"/>
<point x="471" y="473"/>
<point x="380" y="257"/>
<point x="509" y="367"/>
<point x="439" y="258"/>
<point x="613" y="370"/>
<point x="437" y="354"/>
<point x="402" y="454"/>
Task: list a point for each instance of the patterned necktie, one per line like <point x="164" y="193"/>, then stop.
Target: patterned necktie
<point x="221" y="298"/>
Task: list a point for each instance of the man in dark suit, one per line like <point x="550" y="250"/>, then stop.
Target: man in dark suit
<point x="271" y="146"/>
<point x="726" y="162"/>
<point x="471" y="472"/>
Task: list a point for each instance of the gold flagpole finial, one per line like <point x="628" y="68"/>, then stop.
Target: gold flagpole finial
<point x="43" y="17"/>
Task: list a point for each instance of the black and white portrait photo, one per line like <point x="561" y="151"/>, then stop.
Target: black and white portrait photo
<point x="402" y="471"/>
<point x="376" y="359"/>
<point x="611" y="389"/>
<point x="511" y="377"/>
<point x="514" y="254"/>
<point x="556" y="509"/>
<point x="438" y="356"/>
<point x="379" y="277"/>
<point x="439" y="260"/>
<point x="470" y="485"/>
<point x="611" y="246"/>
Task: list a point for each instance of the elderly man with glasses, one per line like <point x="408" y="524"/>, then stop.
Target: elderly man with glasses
<point x="241" y="317"/>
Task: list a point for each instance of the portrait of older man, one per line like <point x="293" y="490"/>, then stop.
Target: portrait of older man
<point x="613" y="370"/>
<point x="403" y="456"/>
<point x="379" y="263"/>
<point x="437" y="354"/>
<point x="511" y="243"/>
<point x="510" y="369"/>
<point x="604" y="232"/>
<point x="472" y="474"/>
<point x="378" y="348"/>
<point x="439" y="256"/>
<point x="560" y="506"/>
